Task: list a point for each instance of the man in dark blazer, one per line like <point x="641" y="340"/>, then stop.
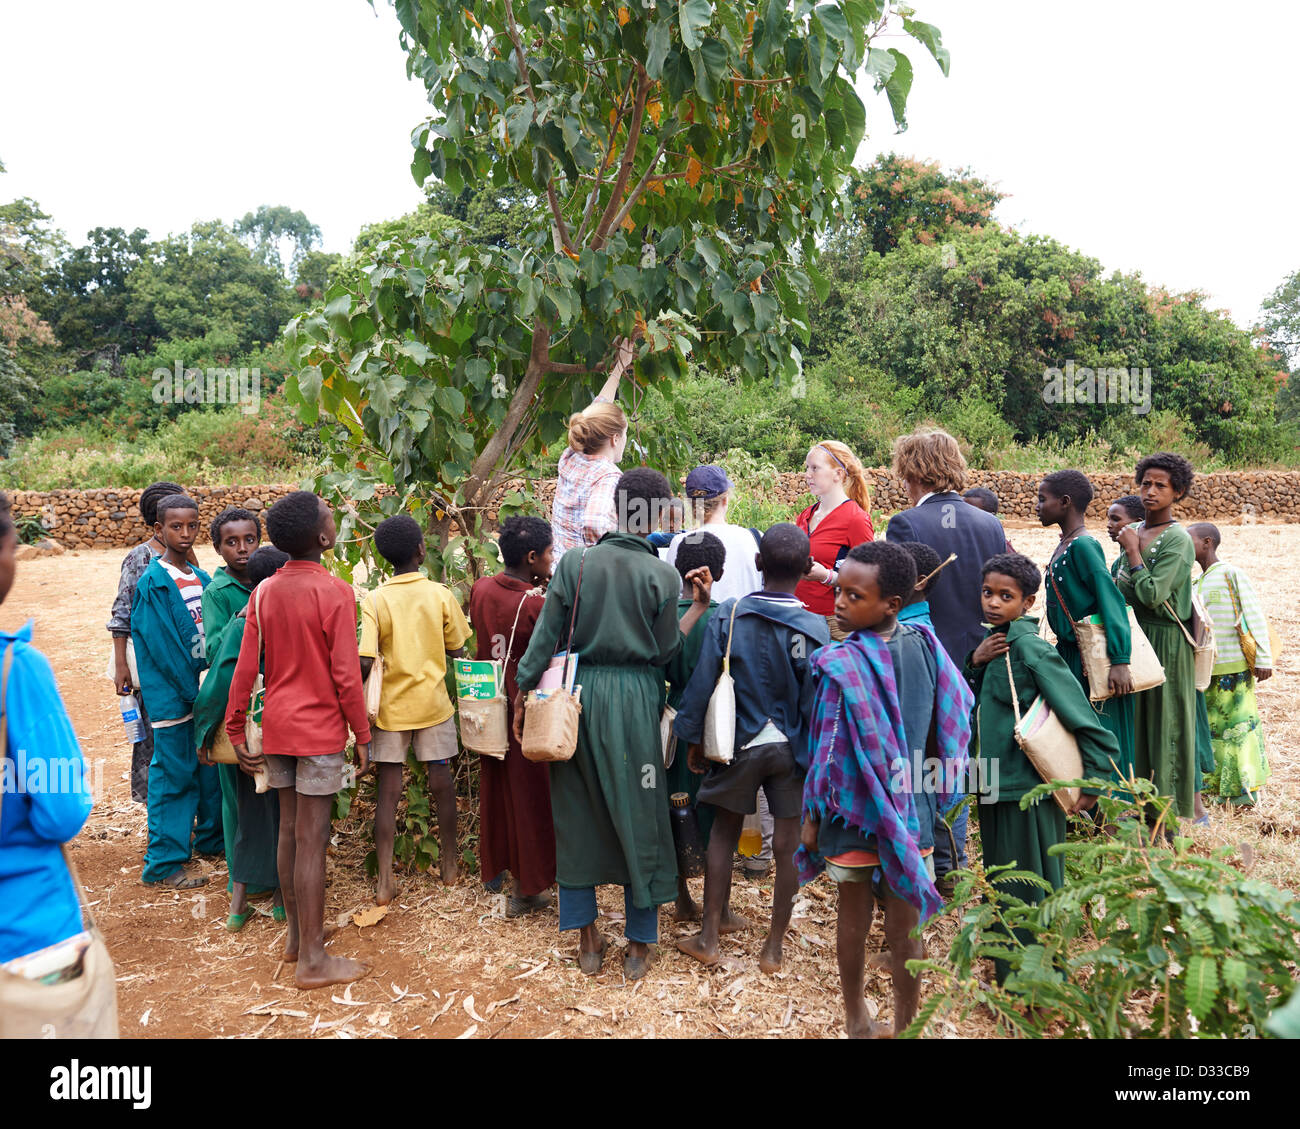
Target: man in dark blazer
<point x="933" y="470"/>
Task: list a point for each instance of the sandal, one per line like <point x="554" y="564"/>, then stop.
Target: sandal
<point x="278" y="913"/>
<point x="590" y="963"/>
<point x="236" y="921"/>
<point x="635" y="967"/>
<point x="178" y="879"/>
<point x="517" y="907"/>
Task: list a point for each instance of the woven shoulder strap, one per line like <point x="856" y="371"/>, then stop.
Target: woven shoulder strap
<point x="1235" y="597"/>
<point x="1181" y="625"/>
<point x="573" y="613"/>
<point x="1015" y="701"/>
<point x="522" y="601"/>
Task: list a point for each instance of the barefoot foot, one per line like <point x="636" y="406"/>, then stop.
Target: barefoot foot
<point x="733" y="923"/>
<point x="696" y="948"/>
<point x="686" y="910"/>
<point x="291" y="943"/>
<point x="769" y="960"/>
<point x="330" y="970"/>
<point x="386" y="890"/>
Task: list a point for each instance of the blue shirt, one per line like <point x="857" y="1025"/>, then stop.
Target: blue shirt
<point x="775" y="636"/>
<point x="917" y="613"/>
<point x="168" y="649"/>
<point x="46" y="800"/>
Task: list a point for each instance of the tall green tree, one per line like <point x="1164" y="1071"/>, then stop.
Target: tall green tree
<point x="266" y="230"/>
<point x="684" y="157"/>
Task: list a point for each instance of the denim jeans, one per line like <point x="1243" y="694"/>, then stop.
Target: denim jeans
<point x="578" y="909"/>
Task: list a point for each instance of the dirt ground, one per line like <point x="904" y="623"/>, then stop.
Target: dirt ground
<point x="445" y="962"/>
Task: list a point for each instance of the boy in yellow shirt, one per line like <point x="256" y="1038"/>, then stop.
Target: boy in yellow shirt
<point x="414" y="624"/>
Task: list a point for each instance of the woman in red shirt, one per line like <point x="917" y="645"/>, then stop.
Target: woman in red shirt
<point x="838" y="520"/>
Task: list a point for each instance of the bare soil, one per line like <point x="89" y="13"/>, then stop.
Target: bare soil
<point x="445" y="962"/>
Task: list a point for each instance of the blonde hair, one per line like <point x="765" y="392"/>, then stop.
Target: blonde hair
<point x="589" y="431"/>
<point x="931" y="458"/>
<point x="704" y="508"/>
<point x="855" y="478"/>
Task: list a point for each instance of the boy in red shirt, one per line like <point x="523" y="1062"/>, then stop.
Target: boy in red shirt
<point x="305" y="622"/>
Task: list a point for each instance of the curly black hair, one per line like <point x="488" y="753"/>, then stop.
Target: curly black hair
<point x="1072" y="484"/>
<point x="988" y="501"/>
<point x="923" y="556"/>
<point x="174" y="502"/>
<point x="1017" y="566"/>
<point x="785" y="550"/>
<point x="226" y="516"/>
<point x="642" y="498"/>
<point x="398" y="539"/>
<point x="895" y="569"/>
<point x="697" y="549"/>
<point x="521" y="535"/>
<point x="293" y="523"/>
<point x="1132" y="505"/>
<point x="1180" y="471"/>
<point x="154" y="493"/>
<point x="6" y="516"/>
<point x="264" y="562"/>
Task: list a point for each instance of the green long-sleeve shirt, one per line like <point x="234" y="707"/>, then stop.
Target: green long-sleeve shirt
<point x="1080" y="580"/>
<point x="222" y="601"/>
<point x="1036" y="669"/>
<point x="1167" y="575"/>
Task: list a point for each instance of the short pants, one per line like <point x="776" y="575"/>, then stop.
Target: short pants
<point x="734" y="787"/>
<point x="322" y="775"/>
<point x="873" y="874"/>
<point x="432" y="743"/>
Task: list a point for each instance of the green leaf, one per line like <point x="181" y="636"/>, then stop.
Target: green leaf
<point x="784" y="143"/>
<point x="837" y="27"/>
<point x="1157" y="956"/>
<point x="657" y="44"/>
<point x="694" y="17"/>
<point x="899" y="86"/>
<point x="932" y="37"/>
<point x="1233" y="972"/>
<point x="1201" y="985"/>
<point x="880" y="65"/>
<point x="708" y="251"/>
<point x="821" y="286"/>
<point x="855" y="119"/>
<point x="336" y="313"/>
<point x="518" y="118"/>
<point x="450" y="400"/>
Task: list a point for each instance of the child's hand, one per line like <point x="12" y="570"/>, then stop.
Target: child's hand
<point x="992" y="647"/>
<point x="1121" y="680"/>
<point x="363" y="758"/>
<point x="695" y="759"/>
<point x="701" y="582"/>
<point x="517" y="719"/>
<point x="1127" y="539"/>
<point x="1086" y="803"/>
<point x="247" y="762"/>
<point x="204" y="757"/>
<point x="808" y="832"/>
<point x="122" y="678"/>
<point x="1263" y="672"/>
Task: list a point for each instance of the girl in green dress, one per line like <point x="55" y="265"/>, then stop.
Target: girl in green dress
<point x="610" y="801"/>
<point x="1078" y="586"/>
<point x="1155" y="570"/>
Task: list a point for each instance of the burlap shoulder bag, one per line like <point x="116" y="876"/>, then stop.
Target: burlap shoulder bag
<point x="1206" y="651"/>
<point x="1144" y="666"/>
<point x="374" y="686"/>
<point x="551" y="722"/>
<point x="1249" y="648"/>
<point x="1050" y="747"/>
<point x="484" y="722"/>
<point x="84" y="1007"/>
<point x="720" y="716"/>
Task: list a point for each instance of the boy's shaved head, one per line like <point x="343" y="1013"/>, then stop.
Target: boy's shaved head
<point x="785" y="549"/>
<point x="1202" y="529"/>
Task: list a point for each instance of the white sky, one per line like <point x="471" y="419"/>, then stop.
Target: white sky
<point x="1152" y="136"/>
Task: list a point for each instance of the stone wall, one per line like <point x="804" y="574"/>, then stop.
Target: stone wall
<point x="111" y="518"/>
<point x="107" y="519"/>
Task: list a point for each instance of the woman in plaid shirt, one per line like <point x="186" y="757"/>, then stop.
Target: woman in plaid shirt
<point x="584" y="510"/>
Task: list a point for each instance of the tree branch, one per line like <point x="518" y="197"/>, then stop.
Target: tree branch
<point x="629" y="154"/>
<point x="604" y="164"/>
<point x="559" y="229"/>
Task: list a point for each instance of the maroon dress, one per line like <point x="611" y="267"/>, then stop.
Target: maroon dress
<point x="515" y="828"/>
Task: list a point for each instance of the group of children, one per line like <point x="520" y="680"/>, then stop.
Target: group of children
<point x="859" y="747"/>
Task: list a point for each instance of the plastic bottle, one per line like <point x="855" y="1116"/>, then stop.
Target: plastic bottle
<point x="131" y="718"/>
<point x="686" y="835"/>
<point x="751" y="837"/>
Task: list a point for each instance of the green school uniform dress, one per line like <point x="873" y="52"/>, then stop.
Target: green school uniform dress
<point x="610" y="801"/>
<point x="678" y="674"/>
<point x="222" y="601"/>
<point x="1007" y="834"/>
<point x="1165" y="718"/>
<point x="1080" y="579"/>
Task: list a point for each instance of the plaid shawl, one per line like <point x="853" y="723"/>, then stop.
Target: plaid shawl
<point x="853" y="766"/>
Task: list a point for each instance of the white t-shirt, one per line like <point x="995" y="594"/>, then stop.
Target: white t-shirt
<point x="740" y="576"/>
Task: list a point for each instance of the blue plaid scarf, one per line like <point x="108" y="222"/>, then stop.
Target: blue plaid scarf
<point x="853" y="764"/>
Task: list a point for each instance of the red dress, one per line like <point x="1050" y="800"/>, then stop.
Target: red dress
<point x="847" y="525"/>
<point x="515" y="828"/>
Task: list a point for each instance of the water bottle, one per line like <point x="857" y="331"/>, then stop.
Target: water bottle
<point x="751" y="837"/>
<point x="131" y="718"/>
<point x="687" y="840"/>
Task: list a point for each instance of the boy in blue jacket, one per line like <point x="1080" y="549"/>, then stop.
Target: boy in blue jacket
<point x="774" y="637"/>
<point x="167" y="626"/>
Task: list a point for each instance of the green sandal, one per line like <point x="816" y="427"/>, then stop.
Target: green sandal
<point x="236" y="921"/>
<point x="279" y="913"/>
